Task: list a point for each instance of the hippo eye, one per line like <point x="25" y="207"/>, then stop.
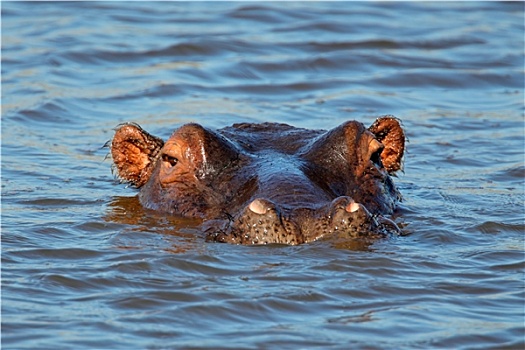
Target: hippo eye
<point x="172" y="161"/>
<point x="376" y="157"/>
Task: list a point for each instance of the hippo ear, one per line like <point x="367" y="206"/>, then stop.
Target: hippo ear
<point x="134" y="153"/>
<point x="389" y="132"/>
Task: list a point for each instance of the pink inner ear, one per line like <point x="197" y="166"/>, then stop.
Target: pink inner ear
<point x="134" y="152"/>
<point x="388" y="130"/>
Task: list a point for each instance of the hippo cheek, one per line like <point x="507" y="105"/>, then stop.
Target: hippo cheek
<point x="260" y="222"/>
<point x="349" y="219"/>
<point x="341" y="215"/>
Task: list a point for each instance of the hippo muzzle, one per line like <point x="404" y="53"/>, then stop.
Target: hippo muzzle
<point x="263" y="222"/>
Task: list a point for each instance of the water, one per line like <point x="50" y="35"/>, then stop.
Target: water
<point x="84" y="266"/>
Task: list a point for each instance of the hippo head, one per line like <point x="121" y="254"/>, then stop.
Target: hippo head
<point x="268" y="183"/>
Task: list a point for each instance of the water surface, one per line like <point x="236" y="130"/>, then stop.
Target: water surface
<point x="84" y="266"/>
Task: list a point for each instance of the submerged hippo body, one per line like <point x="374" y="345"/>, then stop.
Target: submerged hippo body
<point x="268" y="183"/>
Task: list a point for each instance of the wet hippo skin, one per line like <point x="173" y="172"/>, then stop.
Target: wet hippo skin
<point x="269" y="183"/>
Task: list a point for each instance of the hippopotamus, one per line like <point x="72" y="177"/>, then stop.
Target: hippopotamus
<point x="270" y="182"/>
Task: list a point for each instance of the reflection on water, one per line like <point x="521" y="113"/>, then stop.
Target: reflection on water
<point x="135" y="220"/>
<point x="85" y="266"/>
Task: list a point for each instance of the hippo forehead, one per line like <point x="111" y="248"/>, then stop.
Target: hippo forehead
<point x="282" y="138"/>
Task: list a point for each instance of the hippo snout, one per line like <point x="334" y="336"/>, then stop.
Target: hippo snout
<point x="263" y="221"/>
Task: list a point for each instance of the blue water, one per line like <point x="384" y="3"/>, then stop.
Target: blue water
<point x="84" y="266"/>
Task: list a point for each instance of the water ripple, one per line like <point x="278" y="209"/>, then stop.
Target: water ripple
<point x="84" y="265"/>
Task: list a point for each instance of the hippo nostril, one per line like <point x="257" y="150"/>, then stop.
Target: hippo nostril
<point x="352" y="207"/>
<point x="258" y="207"/>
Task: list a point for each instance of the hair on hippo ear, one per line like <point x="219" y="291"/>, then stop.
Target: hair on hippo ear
<point x="389" y="132"/>
<point x="134" y="152"/>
